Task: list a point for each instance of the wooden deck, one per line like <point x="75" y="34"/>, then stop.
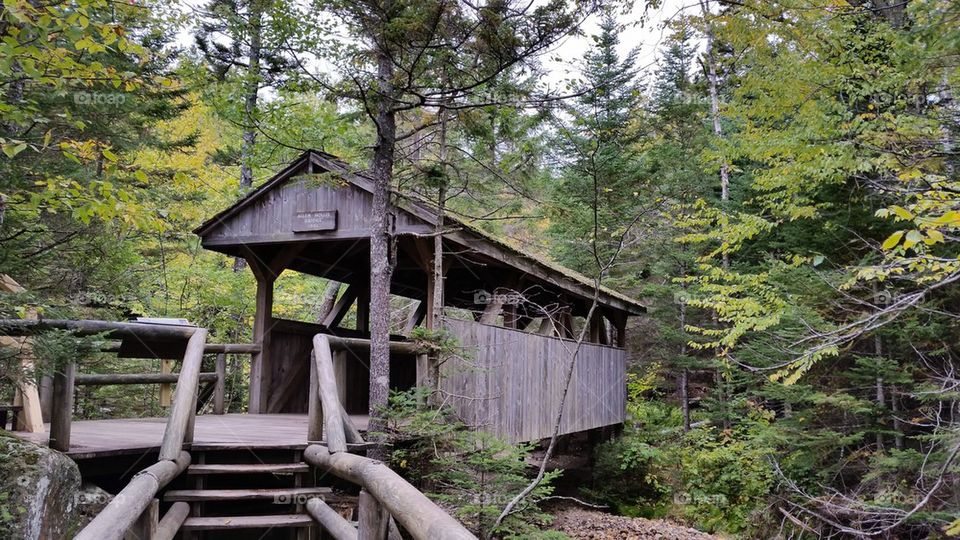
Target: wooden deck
<point x="97" y="438"/>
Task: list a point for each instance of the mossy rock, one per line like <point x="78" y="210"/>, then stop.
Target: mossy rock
<point x="38" y="490"/>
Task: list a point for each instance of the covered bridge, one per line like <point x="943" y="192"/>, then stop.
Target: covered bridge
<point x="513" y="314"/>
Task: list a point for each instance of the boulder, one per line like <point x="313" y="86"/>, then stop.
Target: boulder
<point x="39" y="491"/>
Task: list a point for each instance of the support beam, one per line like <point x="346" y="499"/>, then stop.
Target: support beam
<point x="259" y="362"/>
<point x="418" y="316"/>
<point x="340" y="309"/>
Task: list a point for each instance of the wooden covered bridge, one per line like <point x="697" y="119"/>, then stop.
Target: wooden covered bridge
<point x="513" y="317"/>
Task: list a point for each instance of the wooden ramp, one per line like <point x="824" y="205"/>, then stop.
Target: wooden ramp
<point x="98" y="438"/>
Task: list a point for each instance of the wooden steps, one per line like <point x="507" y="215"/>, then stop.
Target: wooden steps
<point x="250" y="468"/>
<point x="278" y="495"/>
<point x="246" y="522"/>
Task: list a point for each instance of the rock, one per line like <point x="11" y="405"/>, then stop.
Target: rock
<point x="38" y="491"/>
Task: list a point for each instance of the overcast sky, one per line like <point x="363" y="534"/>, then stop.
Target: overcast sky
<point x="646" y="37"/>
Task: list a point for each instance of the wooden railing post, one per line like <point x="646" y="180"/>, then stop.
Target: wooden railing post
<point x="314" y="404"/>
<point x="327" y="386"/>
<point x="145" y="527"/>
<point x="332" y="522"/>
<point x="418" y="515"/>
<point x="220" y="388"/>
<point x="372" y="520"/>
<point x="121" y="513"/>
<point x="62" y="413"/>
<point x="179" y="424"/>
<point x="172" y="521"/>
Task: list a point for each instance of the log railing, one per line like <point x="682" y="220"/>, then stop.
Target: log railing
<point x="135" y="501"/>
<point x="385" y="497"/>
<point x="65" y="379"/>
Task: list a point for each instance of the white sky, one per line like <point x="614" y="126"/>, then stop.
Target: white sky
<point x="647" y="38"/>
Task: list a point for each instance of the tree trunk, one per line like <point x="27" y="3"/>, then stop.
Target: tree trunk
<point x="251" y="87"/>
<point x="895" y="410"/>
<point x="380" y="267"/>
<point x="683" y="381"/>
<point x="880" y="394"/>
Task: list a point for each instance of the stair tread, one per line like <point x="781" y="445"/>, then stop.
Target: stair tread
<point x="247" y="522"/>
<point x="248" y="468"/>
<point x="241" y="494"/>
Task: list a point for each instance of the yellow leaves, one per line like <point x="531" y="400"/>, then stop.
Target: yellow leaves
<point x="892" y="240"/>
<point x="912" y="239"/>
<point x="902" y="212"/>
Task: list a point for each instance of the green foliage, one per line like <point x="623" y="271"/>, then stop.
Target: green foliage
<point x="725" y="478"/>
<point x="473" y="473"/>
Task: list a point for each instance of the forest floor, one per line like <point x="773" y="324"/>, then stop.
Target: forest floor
<point x="583" y="523"/>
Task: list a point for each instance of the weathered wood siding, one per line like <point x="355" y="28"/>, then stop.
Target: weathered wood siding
<point x="510" y="382"/>
<point x="272" y="218"/>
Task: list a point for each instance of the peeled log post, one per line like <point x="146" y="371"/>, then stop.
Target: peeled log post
<point x="400" y="347"/>
<point x="220" y="390"/>
<point x="145" y="527"/>
<point x="184" y="398"/>
<point x="327" y="385"/>
<point x="232" y="348"/>
<point x="330" y="520"/>
<point x="127" y="506"/>
<point x="97" y="379"/>
<point x="172" y="521"/>
<point x="423" y="519"/>
<point x="61" y="414"/>
<point x="314" y="405"/>
<point x="114" y="330"/>
<point x="372" y="520"/>
<point x="350" y="431"/>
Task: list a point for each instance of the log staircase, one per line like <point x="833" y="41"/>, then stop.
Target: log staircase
<point x="239" y="494"/>
<point x="236" y="492"/>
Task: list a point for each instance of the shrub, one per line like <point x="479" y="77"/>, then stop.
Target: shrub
<point x="472" y="473"/>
